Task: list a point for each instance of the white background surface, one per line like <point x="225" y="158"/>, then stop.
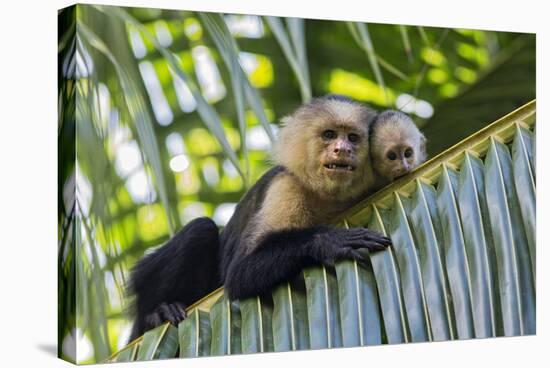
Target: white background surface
<point x="28" y="187"/>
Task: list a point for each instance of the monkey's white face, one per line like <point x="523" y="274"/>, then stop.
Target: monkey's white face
<point x="339" y="152"/>
<point x="335" y="159"/>
<point x="325" y="145"/>
<point x="395" y="161"/>
<point x="397" y="146"/>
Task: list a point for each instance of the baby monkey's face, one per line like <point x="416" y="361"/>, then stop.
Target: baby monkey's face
<point x="398" y="160"/>
<point x="397" y="146"/>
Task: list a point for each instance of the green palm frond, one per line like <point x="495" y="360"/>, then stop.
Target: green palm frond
<point x="292" y="42"/>
<point x="360" y="33"/>
<point x="135" y="104"/>
<point x="208" y="114"/>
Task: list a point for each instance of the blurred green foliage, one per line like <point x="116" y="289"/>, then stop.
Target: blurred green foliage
<point x="167" y="115"/>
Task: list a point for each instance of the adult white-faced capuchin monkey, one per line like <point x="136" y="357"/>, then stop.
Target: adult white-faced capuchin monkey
<point x="279" y="227"/>
<point x="396" y="145"/>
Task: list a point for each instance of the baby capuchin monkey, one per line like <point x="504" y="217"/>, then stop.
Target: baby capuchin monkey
<point x="396" y="145"/>
<point x="280" y="226"/>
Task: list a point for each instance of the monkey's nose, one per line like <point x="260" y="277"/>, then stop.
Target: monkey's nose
<point x="338" y="150"/>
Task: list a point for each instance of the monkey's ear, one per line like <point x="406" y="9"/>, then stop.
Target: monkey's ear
<point x="285" y="120"/>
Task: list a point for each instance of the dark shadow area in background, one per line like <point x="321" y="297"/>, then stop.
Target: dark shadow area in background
<point x="50" y="349"/>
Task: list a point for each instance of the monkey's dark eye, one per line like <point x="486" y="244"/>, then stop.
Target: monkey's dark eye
<point x="392" y="155"/>
<point x="353" y="138"/>
<point x="329" y="134"/>
<point x="408" y="152"/>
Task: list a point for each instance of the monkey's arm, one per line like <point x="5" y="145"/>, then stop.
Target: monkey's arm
<point x="285" y="237"/>
<point x="281" y="255"/>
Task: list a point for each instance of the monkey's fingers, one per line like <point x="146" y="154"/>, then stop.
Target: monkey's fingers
<point x="371" y="245"/>
<point x="367" y="237"/>
<point x="173" y="313"/>
<point x="366" y="244"/>
<point x="359" y="258"/>
<point x="168" y="313"/>
<point x="374" y="246"/>
<point x="153" y="320"/>
<point x="377" y="237"/>
<point x="181" y="308"/>
<point x="376" y="234"/>
<point x="176" y="315"/>
<point x="364" y="233"/>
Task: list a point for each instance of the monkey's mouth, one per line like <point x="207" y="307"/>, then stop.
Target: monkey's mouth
<point x="401" y="173"/>
<point x="339" y="167"/>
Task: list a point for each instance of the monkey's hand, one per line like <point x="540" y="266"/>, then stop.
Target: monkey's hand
<point x="173" y="313"/>
<point x="361" y="237"/>
<point x="346" y="243"/>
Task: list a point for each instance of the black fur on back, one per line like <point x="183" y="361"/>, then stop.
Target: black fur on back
<point x="183" y="270"/>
